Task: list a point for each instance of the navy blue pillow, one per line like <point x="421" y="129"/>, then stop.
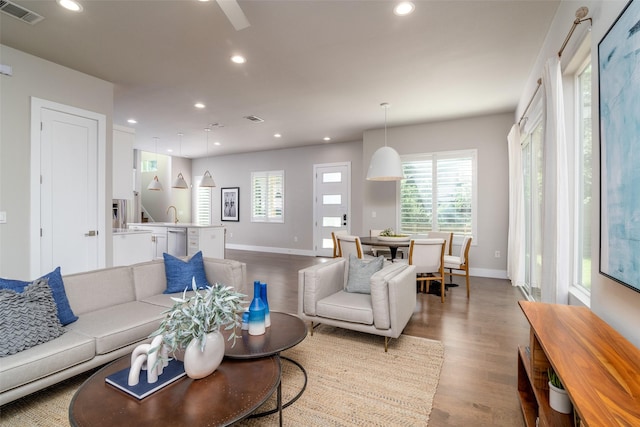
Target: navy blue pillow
<point x="65" y="314"/>
<point x="179" y="273"/>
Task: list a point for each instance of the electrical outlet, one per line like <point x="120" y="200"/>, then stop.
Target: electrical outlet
<point x="295" y="238"/>
<point x="230" y="235"/>
<point x="497" y="255"/>
<point x="373" y="214"/>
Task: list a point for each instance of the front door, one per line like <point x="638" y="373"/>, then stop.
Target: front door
<point x="71" y="232"/>
<point x="332" y="211"/>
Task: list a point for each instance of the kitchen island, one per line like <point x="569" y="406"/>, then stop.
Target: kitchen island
<point x="184" y="239"/>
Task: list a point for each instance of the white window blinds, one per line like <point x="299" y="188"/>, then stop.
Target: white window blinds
<point x="203" y="202"/>
<point x="267" y="196"/>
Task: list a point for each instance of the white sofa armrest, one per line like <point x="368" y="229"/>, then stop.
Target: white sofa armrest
<point x="393" y="295"/>
<point x="319" y="281"/>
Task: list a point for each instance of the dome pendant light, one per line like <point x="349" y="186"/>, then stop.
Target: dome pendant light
<point x="155" y="185"/>
<point x="207" y="179"/>
<point x="385" y="163"/>
<point x="179" y="181"/>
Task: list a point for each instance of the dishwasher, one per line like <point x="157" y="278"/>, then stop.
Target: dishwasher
<point x="177" y="241"/>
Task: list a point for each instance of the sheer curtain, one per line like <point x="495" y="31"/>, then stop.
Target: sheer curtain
<point x="515" y="248"/>
<point x="555" y="217"/>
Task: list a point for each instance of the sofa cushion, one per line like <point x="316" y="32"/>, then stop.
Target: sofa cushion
<point x="98" y="289"/>
<point x="67" y="350"/>
<point x="54" y="279"/>
<point x="28" y="318"/>
<point x="346" y="306"/>
<point x="164" y="300"/>
<point x="181" y="273"/>
<point x="120" y="325"/>
<point x="360" y="272"/>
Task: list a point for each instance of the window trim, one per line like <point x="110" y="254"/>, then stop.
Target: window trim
<point x="278" y="219"/>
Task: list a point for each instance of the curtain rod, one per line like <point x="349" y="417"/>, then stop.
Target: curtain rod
<point x="580" y="18"/>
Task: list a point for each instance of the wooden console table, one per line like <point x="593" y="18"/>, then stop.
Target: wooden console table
<point x="598" y="367"/>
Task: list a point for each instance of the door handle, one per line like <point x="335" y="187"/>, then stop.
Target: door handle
<point x="91" y="233"/>
<point x="344" y="219"/>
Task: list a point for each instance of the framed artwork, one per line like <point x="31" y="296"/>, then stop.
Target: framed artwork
<point x="230" y="204"/>
<point x="619" y="90"/>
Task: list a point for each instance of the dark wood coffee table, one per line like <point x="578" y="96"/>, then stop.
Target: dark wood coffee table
<point x="231" y="393"/>
<point x="286" y="331"/>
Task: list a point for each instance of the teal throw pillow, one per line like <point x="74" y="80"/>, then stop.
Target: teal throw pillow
<point x="65" y="314"/>
<point x="180" y="273"/>
<point x="360" y="272"/>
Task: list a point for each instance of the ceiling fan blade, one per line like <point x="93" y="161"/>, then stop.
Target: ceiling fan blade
<point x="236" y="16"/>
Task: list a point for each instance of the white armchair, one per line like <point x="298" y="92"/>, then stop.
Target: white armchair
<point x="322" y="298"/>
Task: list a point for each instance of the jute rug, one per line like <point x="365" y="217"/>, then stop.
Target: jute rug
<point x="351" y="382"/>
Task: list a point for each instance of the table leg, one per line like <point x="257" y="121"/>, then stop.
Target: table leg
<point x="280" y="399"/>
<point x="394" y="251"/>
<point x="280" y="405"/>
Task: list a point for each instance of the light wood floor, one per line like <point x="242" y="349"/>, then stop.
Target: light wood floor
<point x="478" y="382"/>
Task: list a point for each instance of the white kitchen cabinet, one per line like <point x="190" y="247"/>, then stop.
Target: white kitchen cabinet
<point x="209" y="240"/>
<point x="122" y="170"/>
<point x="131" y="248"/>
<point x="158" y="240"/>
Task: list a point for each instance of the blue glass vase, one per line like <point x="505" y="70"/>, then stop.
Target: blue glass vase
<point x="263" y="297"/>
<point x="256" y="312"/>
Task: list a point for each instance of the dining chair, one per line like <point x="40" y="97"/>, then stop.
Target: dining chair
<point x="348" y="244"/>
<point x="448" y="238"/>
<point x="377" y="251"/>
<point x="336" y="247"/>
<point x="428" y="257"/>
<point x="459" y="262"/>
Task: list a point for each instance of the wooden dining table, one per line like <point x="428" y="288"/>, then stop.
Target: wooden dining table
<point x="393" y="245"/>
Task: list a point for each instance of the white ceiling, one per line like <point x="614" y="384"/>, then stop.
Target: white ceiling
<point x="314" y="68"/>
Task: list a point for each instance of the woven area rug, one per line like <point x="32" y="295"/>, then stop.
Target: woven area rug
<point x="351" y="382"/>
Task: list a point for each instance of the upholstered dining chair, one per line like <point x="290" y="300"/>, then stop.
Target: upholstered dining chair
<point x="428" y="257"/>
<point x="448" y="238"/>
<point x="377" y="251"/>
<point x="459" y="262"/>
<point x="348" y="244"/>
<point x="336" y="248"/>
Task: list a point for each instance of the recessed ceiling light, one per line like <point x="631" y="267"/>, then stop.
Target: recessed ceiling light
<point x="170" y="150"/>
<point x="326" y="138"/>
<point x="277" y="135"/>
<point x="217" y="143"/>
<point x="238" y="59"/>
<point x="404" y="8"/>
<point x="71" y="5"/>
<point x="132" y="121"/>
<point x="199" y="105"/>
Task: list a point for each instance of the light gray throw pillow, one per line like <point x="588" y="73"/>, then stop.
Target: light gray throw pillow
<point x="360" y="272"/>
<point x="28" y="318"/>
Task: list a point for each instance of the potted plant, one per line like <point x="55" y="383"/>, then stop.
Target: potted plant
<point x="193" y="325"/>
<point x="558" y="397"/>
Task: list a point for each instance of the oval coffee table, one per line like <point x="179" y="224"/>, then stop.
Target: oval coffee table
<point x="231" y="393"/>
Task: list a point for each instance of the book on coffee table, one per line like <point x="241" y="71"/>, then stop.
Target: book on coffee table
<point x="172" y="372"/>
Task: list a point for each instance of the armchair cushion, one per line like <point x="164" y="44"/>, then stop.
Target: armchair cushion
<point x="346" y="306"/>
<point x="360" y="272"/>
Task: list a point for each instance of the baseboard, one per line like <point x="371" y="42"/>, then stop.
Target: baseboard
<point x="487" y="272"/>
<point x="271" y="249"/>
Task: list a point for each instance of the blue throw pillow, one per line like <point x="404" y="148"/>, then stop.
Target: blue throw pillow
<point x="360" y="272"/>
<point x="65" y="314"/>
<point x="179" y="273"/>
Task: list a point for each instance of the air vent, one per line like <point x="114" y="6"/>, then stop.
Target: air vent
<point x="254" y="119"/>
<point x="19" y="12"/>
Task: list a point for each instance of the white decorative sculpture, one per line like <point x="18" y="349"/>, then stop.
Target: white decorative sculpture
<point x="141" y="358"/>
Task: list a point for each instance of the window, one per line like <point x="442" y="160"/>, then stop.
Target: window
<point x="439" y="193"/>
<point x="583" y="162"/>
<point x="202" y="206"/>
<point x="267" y="196"/>
<point x="149" y="166"/>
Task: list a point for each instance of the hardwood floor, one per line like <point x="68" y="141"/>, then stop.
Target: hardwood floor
<point x="481" y="334"/>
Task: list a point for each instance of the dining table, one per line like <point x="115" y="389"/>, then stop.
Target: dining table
<point x="393" y="245"/>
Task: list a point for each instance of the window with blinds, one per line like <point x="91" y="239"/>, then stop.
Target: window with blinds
<point x="203" y="202"/>
<point x="267" y="196"/>
<point x="438" y="193"/>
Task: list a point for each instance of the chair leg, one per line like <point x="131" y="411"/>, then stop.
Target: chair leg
<point x="311" y="328"/>
<point x="467" y="271"/>
<point x="442" y="290"/>
<point x="386" y="344"/>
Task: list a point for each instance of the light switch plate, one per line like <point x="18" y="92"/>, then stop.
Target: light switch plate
<point x="3" y="217"/>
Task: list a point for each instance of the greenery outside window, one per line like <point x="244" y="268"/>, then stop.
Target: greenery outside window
<point x="267" y="196"/>
<point x="439" y="192"/>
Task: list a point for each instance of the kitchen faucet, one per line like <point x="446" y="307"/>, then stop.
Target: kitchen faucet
<point x="175" y="213"/>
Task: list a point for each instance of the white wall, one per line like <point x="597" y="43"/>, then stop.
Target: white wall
<point x="36" y="77"/>
<point x="487" y="134"/>
<point x="616" y="304"/>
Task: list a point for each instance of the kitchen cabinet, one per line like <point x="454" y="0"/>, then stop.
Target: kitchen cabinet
<point x="158" y="242"/>
<point x="131" y="247"/>
<point x="209" y="240"/>
<point x="122" y="166"/>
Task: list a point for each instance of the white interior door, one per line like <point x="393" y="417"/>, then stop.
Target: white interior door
<point x="69" y="194"/>
<point x="332" y="211"/>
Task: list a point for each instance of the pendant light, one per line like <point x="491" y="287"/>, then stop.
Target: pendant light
<point x="207" y="179"/>
<point x="385" y="163"/>
<point x="155" y="183"/>
<point x="179" y="181"/>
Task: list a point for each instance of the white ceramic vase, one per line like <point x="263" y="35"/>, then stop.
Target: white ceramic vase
<point x="559" y="400"/>
<point x="198" y="364"/>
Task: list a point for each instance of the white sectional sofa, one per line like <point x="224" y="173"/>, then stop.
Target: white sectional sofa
<point x="117" y="309"/>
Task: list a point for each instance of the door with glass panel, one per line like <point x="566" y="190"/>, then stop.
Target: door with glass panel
<point x="332" y="207"/>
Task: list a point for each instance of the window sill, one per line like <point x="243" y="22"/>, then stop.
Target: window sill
<point x="580" y="297"/>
